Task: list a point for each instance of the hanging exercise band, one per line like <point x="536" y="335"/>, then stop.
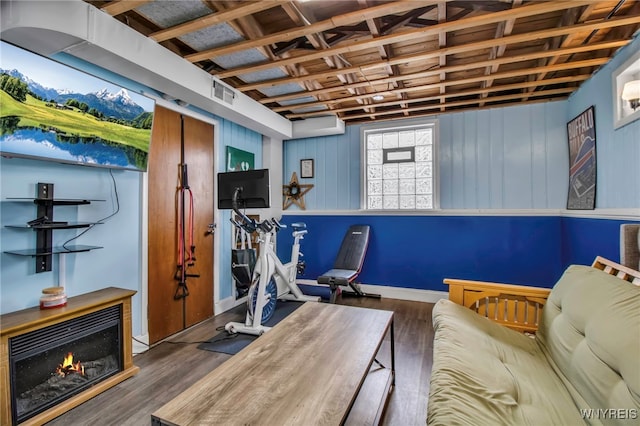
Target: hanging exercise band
<point x="186" y="254"/>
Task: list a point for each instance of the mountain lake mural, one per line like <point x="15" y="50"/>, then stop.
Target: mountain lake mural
<point x="51" y="111"/>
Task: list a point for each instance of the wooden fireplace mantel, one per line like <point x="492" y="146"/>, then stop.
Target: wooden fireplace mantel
<point x="21" y="322"/>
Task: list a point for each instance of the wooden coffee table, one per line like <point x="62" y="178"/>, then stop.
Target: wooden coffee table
<point x="314" y="367"/>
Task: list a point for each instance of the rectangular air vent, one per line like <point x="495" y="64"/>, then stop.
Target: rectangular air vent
<point x="223" y="92"/>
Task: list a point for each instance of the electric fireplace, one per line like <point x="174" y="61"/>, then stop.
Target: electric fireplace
<point x="51" y="364"/>
<point x="59" y="358"/>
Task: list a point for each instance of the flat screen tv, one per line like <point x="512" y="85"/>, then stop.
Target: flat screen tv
<point x="254" y="186"/>
<point x="52" y="111"/>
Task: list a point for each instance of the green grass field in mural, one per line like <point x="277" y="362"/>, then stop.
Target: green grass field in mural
<point x="71" y="122"/>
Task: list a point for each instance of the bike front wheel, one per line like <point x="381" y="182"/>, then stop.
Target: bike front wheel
<point x="270" y="298"/>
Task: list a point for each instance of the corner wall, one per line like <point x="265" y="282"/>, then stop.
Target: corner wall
<point x="617" y="150"/>
<point x="503" y="191"/>
<point x="117" y="264"/>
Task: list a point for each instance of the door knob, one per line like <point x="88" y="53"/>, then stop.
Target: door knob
<point x="211" y="228"/>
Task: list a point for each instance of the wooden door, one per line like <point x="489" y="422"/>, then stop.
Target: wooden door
<point x="199" y="159"/>
<point x="166" y="314"/>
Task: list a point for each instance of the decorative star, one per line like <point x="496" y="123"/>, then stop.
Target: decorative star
<point x="294" y="193"/>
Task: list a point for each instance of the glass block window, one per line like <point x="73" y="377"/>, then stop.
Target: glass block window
<point x="399" y="167"/>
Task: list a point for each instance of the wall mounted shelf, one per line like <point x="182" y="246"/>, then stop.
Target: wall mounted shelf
<point x="45" y="226"/>
<point x="56" y="225"/>
<point x="53" y="250"/>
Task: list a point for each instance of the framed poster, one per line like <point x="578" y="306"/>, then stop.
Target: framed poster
<point x="239" y="160"/>
<point x="582" y="161"/>
<point x="306" y="168"/>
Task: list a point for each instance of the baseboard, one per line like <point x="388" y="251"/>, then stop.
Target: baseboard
<point x="401" y="293"/>
<point x="413" y="294"/>
<point x="229" y="303"/>
<point x="140" y="344"/>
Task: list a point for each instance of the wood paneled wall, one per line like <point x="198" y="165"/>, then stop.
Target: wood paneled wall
<point x="500" y="158"/>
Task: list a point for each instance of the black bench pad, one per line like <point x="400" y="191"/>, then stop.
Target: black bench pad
<point x="338" y="276"/>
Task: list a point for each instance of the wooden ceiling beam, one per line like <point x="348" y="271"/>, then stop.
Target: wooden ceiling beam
<point x="474" y="21"/>
<point x="230" y="14"/>
<point x="471" y="80"/>
<point x="569" y="17"/>
<point x="318" y="27"/>
<point x="513" y="39"/>
<point x="471" y="107"/>
<point x="250" y="28"/>
<point x="471" y="92"/>
<point x="451" y="105"/>
<point x="317" y="41"/>
<point x="489" y="6"/>
<point x="504" y="29"/>
<point x="483" y="63"/>
<point x="383" y="51"/>
<point x="401" y="21"/>
<point x="442" y="43"/>
<point x="573" y="37"/>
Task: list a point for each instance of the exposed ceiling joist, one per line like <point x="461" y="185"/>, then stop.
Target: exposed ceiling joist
<point x="380" y="59"/>
<point x="466" y="23"/>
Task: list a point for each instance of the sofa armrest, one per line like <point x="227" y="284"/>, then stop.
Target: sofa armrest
<point x="515" y="306"/>
<point x="620" y="271"/>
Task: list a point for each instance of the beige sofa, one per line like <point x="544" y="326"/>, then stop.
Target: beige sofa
<point x="578" y="364"/>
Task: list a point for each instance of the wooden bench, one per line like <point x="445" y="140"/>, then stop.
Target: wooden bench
<point x="516" y="306"/>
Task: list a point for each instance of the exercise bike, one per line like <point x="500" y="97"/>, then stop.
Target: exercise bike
<point x="272" y="280"/>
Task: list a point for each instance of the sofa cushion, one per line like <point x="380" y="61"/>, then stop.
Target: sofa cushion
<point x="484" y="373"/>
<point x="590" y="332"/>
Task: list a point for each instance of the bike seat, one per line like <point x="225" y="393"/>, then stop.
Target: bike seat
<point x="298" y="226"/>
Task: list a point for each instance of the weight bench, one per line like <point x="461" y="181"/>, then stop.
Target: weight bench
<point x="348" y="263"/>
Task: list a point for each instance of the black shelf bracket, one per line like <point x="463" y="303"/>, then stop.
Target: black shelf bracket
<point x="44" y="237"/>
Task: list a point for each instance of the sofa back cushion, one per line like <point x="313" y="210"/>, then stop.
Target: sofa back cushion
<point x="590" y="333"/>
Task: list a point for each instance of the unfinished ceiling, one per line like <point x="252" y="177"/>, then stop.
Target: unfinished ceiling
<point x="365" y="60"/>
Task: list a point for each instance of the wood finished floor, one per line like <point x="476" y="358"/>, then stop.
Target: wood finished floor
<point x="167" y="369"/>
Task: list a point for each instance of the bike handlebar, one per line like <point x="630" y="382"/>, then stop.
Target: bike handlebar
<point x="277" y="224"/>
<point x="248" y="224"/>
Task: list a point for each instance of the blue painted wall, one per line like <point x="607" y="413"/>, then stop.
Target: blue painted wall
<point x="495" y="159"/>
<point x="420" y="251"/>
<point x="617" y="150"/>
<point x="229" y="133"/>
<point x="117" y="264"/>
<point x="504" y="158"/>
<point x="585" y="238"/>
<point x="500" y="158"/>
<point x="336" y="169"/>
<point x="232" y="134"/>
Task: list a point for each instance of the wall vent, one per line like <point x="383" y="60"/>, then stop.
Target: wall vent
<point x="223" y="92"/>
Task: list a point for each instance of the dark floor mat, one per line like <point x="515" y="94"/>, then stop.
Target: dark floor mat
<point x="233" y="343"/>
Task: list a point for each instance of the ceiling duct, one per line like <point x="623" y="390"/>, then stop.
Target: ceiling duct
<point x="318" y="126"/>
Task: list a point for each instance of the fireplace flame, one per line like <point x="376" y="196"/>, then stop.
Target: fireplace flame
<point x="68" y="366"/>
